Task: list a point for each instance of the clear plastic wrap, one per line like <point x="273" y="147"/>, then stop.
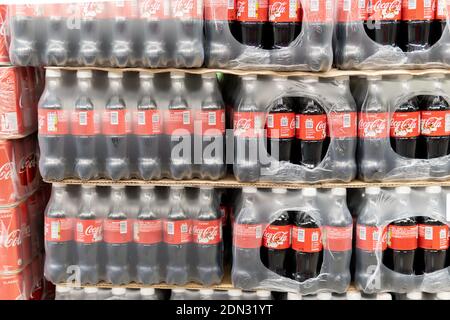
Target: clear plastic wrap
<point x="210" y="294"/>
<point x="292" y="129"/>
<point x="117" y="293"/>
<point x="403" y="127"/>
<point x="265" y="34"/>
<point x="123" y="125"/>
<point x="133" y="234"/>
<point x="129" y="33"/>
<point x="292" y="241"/>
<point x="349" y="295"/>
<point x="402" y="240"/>
<point x="4" y="36"/>
<point x="380" y="34"/>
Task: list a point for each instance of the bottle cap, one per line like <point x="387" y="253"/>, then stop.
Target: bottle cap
<point x="373" y="190"/>
<point x="353" y="295"/>
<point x="90" y="290"/>
<point x="373" y="77"/>
<point x="436" y="75"/>
<point x="147" y="291"/>
<point x="177" y="188"/>
<point x="324" y="296"/>
<point x="342" y="78"/>
<point x="294" y="296"/>
<point x="443" y="296"/>
<point x="249" y="77"/>
<point x="338" y="191"/>
<point x="146" y="75"/>
<point x="115" y="75"/>
<point x="416" y="295"/>
<point x="117" y="187"/>
<point x="433" y="189"/>
<point x="249" y="190"/>
<point x="310" y="79"/>
<point x="179" y="290"/>
<point x="403" y="190"/>
<point x="263" y="293"/>
<point x="280" y="78"/>
<point x="53" y="73"/>
<point x="63" y="289"/>
<point x="147" y="187"/>
<point x="84" y="74"/>
<point x="118" y="291"/>
<point x="279" y="190"/>
<point x="177" y="75"/>
<point x="206" y="292"/>
<point x="210" y="75"/>
<point x="206" y="188"/>
<point x="384" y="296"/>
<point x="235" y="292"/>
<point x="309" y="192"/>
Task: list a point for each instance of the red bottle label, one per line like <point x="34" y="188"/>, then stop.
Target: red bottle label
<point x="318" y="11"/>
<point x="284" y="11"/>
<point x="187" y="9"/>
<point x="402" y="237"/>
<point x="252" y="10"/>
<point x="373" y="125"/>
<point x="220" y="10"/>
<point x="435" y="123"/>
<point x="84" y="123"/>
<point x="337" y="238"/>
<point x="178" y="231"/>
<point x="88" y="231"/>
<point x="92" y="10"/>
<point x="207" y="232"/>
<point x="117" y="231"/>
<point x="352" y="10"/>
<point x="148" y="231"/>
<point x="385" y="10"/>
<point x="433" y="237"/>
<point x="248" y="124"/>
<point x="25" y="10"/>
<point x="147" y="122"/>
<point x="441" y="10"/>
<point x="277" y="237"/>
<point x="418" y="10"/>
<point x="178" y="122"/>
<point x="306" y="239"/>
<point x="405" y="124"/>
<point x="210" y="123"/>
<point x="53" y="122"/>
<point x="342" y="124"/>
<point x="311" y="127"/>
<point x="115" y="122"/>
<point x="58" y="229"/>
<point x="369" y="238"/>
<point x="280" y="125"/>
<point x="247" y="236"/>
<point x="154" y="10"/>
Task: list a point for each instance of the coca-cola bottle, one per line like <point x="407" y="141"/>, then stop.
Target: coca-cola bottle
<point x="58" y="236"/>
<point x="210" y="125"/>
<point x="207" y="239"/>
<point x="123" y="32"/>
<point x="402" y="237"/>
<point x="248" y="122"/>
<point x="337" y="240"/>
<point x="148" y="238"/>
<point x="155" y="18"/>
<point x="84" y="128"/>
<point x="178" y="239"/>
<point x="312" y="133"/>
<point x="88" y="236"/>
<point x="280" y="125"/>
<point x="373" y="131"/>
<point x="178" y="129"/>
<point x="371" y="238"/>
<point x="416" y="23"/>
<point x="435" y="126"/>
<point x="117" y="231"/>
<point x="384" y="21"/>
<point x="252" y="16"/>
<point x="147" y="128"/>
<point x="92" y="22"/>
<point x="115" y="129"/>
<point x="247" y="238"/>
<point x="53" y="128"/>
<point x="275" y="251"/>
<point x="285" y="21"/>
<point x="306" y="239"/>
<point x="57" y="46"/>
<point x="433" y="234"/>
<point x="405" y="127"/>
<point x="188" y="21"/>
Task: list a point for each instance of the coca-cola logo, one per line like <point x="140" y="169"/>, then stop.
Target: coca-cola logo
<point x="372" y="128"/>
<point x="277" y="9"/>
<point x="92" y="9"/>
<point x="321" y="126"/>
<point x="6" y="171"/>
<point x="93" y="231"/>
<point x="431" y="124"/>
<point x="405" y="126"/>
<point x="243" y="124"/>
<point x="292" y="124"/>
<point x="11" y="239"/>
<point x="150" y="8"/>
<point x="387" y="9"/>
<point x="183" y="7"/>
<point x="207" y="234"/>
<point x="240" y="8"/>
<point x="276" y="239"/>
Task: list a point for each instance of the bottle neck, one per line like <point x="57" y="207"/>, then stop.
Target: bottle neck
<point x="147" y="85"/>
<point x="178" y="85"/>
<point x="115" y="85"/>
<point x="53" y="83"/>
<point x="84" y="85"/>
<point x="148" y="196"/>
